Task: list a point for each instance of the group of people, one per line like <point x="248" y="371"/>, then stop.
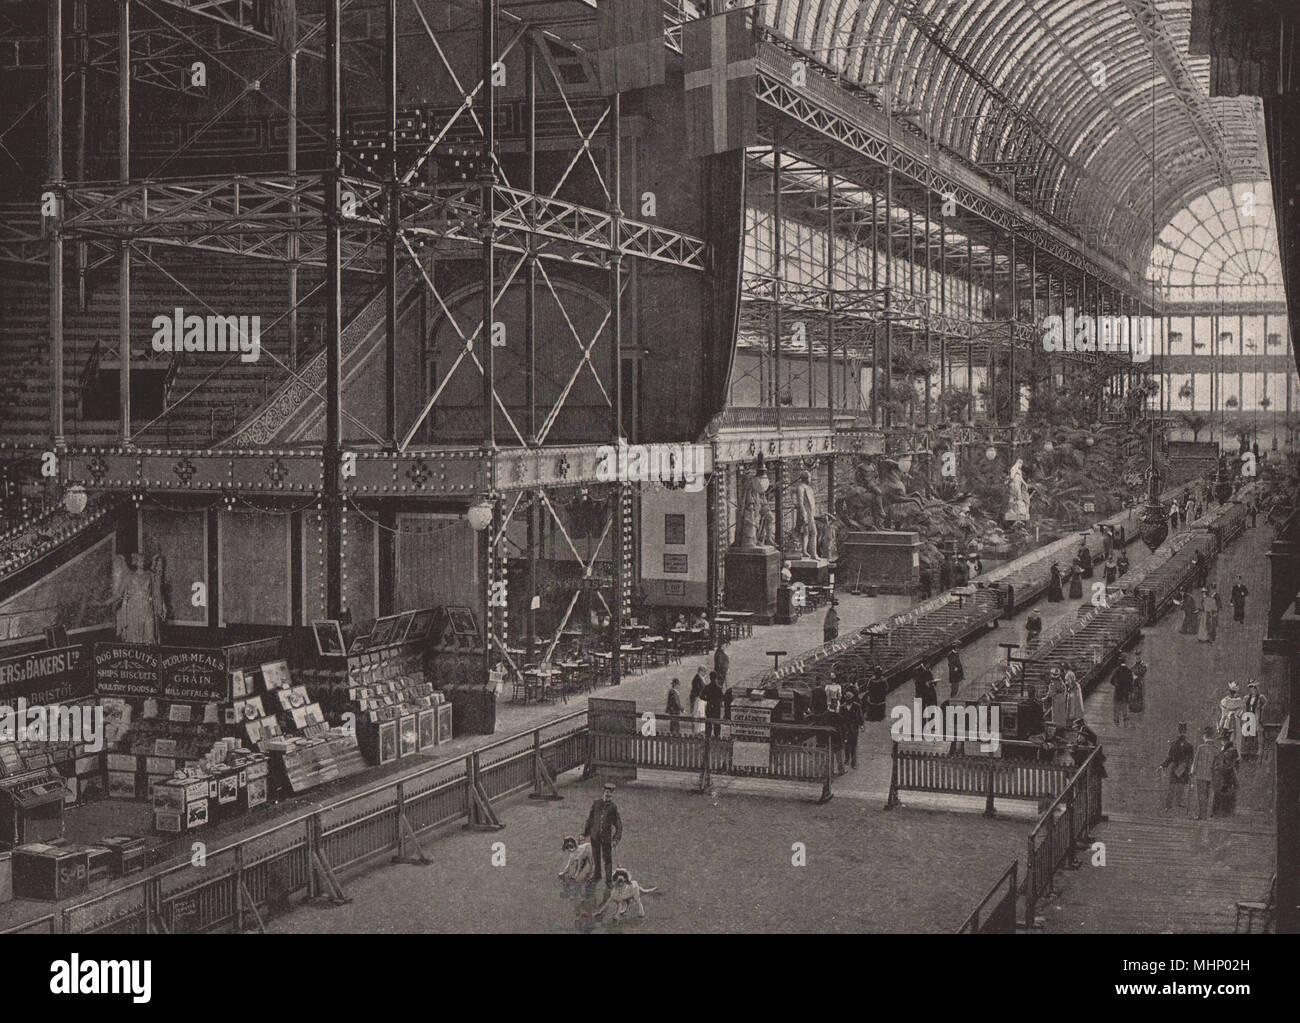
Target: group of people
<point x="1201" y="615"/>
<point x="1129" y="685"/>
<point x="1212" y="764"/>
<point x="711" y="699"/>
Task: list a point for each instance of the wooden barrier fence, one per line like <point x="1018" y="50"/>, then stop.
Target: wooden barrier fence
<point x="993" y="777"/>
<point x="1061" y="830"/>
<point x="238" y="881"/>
<point x="625" y="739"/>
<point x="996" y="913"/>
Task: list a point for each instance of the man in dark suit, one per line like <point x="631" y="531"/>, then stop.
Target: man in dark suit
<point x="605" y="829"/>
<point x="713" y="705"/>
<point x="721" y="663"/>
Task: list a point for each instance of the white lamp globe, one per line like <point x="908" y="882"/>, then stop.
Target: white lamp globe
<point x="990" y="452"/>
<point x="74" y="499"/>
<point x="480" y="516"/>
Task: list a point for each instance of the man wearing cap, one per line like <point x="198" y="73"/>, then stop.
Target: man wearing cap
<point x="1178" y="761"/>
<point x="605" y="829"/>
<point x="1237" y="598"/>
<point x="1203" y="773"/>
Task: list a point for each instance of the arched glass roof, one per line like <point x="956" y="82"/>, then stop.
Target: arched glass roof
<point x="1085" y="94"/>
<point x="1221" y="247"/>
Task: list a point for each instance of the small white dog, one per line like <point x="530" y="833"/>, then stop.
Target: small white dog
<point x="580" y="864"/>
<point x="625" y="894"/>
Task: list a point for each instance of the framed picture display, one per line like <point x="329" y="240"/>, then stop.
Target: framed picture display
<point x="276" y="674"/>
<point x="407" y="731"/>
<point x="421" y="625"/>
<point x="402" y="626"/>
<point x="329" y="638"/>
<point x="427" y="728"/>
<point x="387" y="742"/>
<point x="382" y="634"/>
<point x="444" y="722"/>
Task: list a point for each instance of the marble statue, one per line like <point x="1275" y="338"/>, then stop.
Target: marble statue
<point x="138" y="596"/>
<point x="1018" y="504"/>
<point x="750" y="515"/>
<point x="806" y="515"/>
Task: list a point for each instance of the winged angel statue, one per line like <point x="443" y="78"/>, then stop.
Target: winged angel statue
<point x="138" y="598"/>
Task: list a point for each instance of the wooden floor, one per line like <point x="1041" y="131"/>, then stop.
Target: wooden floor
<point x="1164" y="872"/>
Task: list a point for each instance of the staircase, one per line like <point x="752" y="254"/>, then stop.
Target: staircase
<point x="206" y="395"/>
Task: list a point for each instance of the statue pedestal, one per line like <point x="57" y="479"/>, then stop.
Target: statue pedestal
<point x="752" y="577"/>
<point x="810" y="571"/>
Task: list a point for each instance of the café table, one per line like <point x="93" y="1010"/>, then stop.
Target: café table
<point x="656" y="652"/>
<point x="538" y="681"/>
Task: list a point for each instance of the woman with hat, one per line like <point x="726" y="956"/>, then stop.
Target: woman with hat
<point x="956" y="672"/>
<point x="876" y="693"/>
<point x="1225" y="778"/>
<point x="1203" y="632"/>
<point x="1188" y="603"/>
<point x="1074" y="709"/>
<point x="1254" y="706"/>
<point x="1058" y="699"/>
<point x="1230" y="709"/>
<point x="1055" y="594"/>
<point x="1076" y="584"/>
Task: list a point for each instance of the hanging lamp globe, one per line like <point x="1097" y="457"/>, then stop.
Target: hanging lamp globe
<point x="1153" y="526"/>
<point x="1222" y="484"/>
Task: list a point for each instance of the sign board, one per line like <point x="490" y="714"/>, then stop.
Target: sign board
<point x="45" y="676"/>
<point x="751" y="733"/>
<point x="196" y="675"/>
<point x="613" y="736"/>
<point x="126" y="670"/>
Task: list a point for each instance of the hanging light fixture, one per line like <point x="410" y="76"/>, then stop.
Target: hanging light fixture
<point x="990" y="452"/>
<point x="1153" y="526"/>
<point x="74" y="499"/>
<point x="480" y="516"/>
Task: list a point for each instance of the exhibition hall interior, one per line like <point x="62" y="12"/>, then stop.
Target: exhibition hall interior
<point x="547" y="466"/>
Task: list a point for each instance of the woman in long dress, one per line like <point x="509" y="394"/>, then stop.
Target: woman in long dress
<point x="1253" y="706"/>
<point x="1054" y="592"/>
<point x="1203" y="633"/>
<point x="1188" y="603"/>
<point x="1230" y="710"/>
<point x="1213" y="605"/>
<point x="138" y="594"/>
<point x="1076" y="585"/>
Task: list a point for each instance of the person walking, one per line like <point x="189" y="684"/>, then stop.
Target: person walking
<point x="721" y="663"/>
<point x="1252" y="510"/>
<point x="850" y="724"/>
<point x="1231" y="707"/>
<point x="1237" y="598"/>
<point x="1122" y="563"/>
<point x="1033" y="629"/>
<point x="1224" y="800"/>
<point x="831" y="624"/>
<point x="1058" y="699"/>
<point x="1178" y="762"/>
<point x="674" y="707"/>
<point x="956" y="672"/>
<point x="605" y="830"/>
<point x="1137" y="698"/>
<point x="1213" y="605"/>
<point x="697" y="699"/>
<point x="1252" y="720"/>
<point x="1187" y="602"/>
<point x="1074" y="693"/>
<point x="1173" y="517"/>
<point x="1076" y="582"/>
<point x="1084" y="560"/>
<point x="1203" y="634"/>
<point x="713" y="706"/>
<point x="1055" y="594"/>
<point x="1121" y="681"/>
<point x="1202" y="772"/>
<point x="877" y="690"/>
